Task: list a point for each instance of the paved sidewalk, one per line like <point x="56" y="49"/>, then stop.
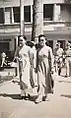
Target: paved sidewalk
<point x="58" y="106"/>
<point x="6" y="72"/>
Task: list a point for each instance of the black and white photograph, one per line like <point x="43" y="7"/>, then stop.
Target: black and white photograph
<point x="35" y="58"/>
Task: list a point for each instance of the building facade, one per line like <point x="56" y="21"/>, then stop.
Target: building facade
<point x="56" y="16"/>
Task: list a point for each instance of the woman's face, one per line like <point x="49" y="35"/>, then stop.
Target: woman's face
<point x="21" y="41"/>
<point x="42" y="41"/>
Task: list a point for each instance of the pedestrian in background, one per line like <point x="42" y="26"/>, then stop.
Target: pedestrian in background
<point x="58" y="52"/>
<point x="68" y="56"/>
<point x="65" y="64"/>
<point x="32" y="57"/>
<point x="3" y="59"/>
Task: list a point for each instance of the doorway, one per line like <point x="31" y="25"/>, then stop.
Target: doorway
<point x="4" y="46"/>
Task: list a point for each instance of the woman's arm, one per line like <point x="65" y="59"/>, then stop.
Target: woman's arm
<point x="51" y="58"/>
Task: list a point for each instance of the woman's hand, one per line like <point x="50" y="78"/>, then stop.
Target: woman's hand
<point x="18" y="58"/>
<point x="52" y="71"/>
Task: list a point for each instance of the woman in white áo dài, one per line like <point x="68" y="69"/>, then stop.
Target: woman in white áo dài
<point x="22" y="55"/>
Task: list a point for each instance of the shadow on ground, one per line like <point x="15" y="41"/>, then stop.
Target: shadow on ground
<point x="18" y="96"/>
<point x="67" y="96"/>
<point x="13" y="96"/>
<point x="15" y="81"/>
<point x="64" y="81"/>
<point x="5" y="78"/>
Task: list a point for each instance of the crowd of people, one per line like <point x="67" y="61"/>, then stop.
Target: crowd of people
<point x="39" y="59"/>
<point x="62" y="58"/>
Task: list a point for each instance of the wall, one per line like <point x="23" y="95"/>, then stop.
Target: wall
<point x="9" y="3"/>
<point x="66" y="13"/>
<point x="51" y="1"/>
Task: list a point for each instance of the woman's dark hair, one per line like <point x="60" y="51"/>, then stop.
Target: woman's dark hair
<point x="41" y="35"/>
<point x="22" y="36"/>
<point x="47" y="43"/>
<point x="37" y="45"/>
<point x="29" y="43"/>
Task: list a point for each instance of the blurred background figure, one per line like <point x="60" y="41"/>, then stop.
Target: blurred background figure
<point x="58" y="50"/>
<point x="68" y="56"/>
<point x="32" y="57"/>
<point x="65" y="64"/>
<point x="3" y="59"/>
<point x="58" y="58"/>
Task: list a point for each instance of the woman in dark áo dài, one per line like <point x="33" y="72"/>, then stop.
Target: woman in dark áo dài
<point x="43" y="68"/>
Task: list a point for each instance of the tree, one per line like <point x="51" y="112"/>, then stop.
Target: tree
<point x="37" y="25"/>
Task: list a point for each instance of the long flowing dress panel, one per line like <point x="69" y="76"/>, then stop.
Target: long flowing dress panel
<point x="24" y="65"/>
<point x="45" y="64"/>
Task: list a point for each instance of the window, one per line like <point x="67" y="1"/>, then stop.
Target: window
<point x="8" y="18"/>
<point x="27" y="13"/>
<point x="16" y="11"/>
<point x="48" y="12"/>
<point x="4" y="46"/>
<point x="1" y="15"/>
<point x="65" y="12"/>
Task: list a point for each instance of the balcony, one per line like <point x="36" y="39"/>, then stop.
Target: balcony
<point x="60" y="26"/>
<point x="9" y="29"/>
<point x="13" y="29"/>
<point x="48" y="26"/>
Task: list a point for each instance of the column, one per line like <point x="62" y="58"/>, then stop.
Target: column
<point x="21" y="18"/>
<point x="54" y="44"/>
<point x="56" y="12"/>
<point x="66" y="42"/>
<point x="12" y="13"/>
<point x="17" y="69"/>
<point x="31" y="13"/>
<point x="16" y="41"/>
<point x="11" y="43"/>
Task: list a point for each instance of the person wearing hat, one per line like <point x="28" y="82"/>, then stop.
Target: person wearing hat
<point x="58" y="57"/>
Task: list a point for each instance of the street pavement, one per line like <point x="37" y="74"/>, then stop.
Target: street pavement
<point x="58" y="106"/>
